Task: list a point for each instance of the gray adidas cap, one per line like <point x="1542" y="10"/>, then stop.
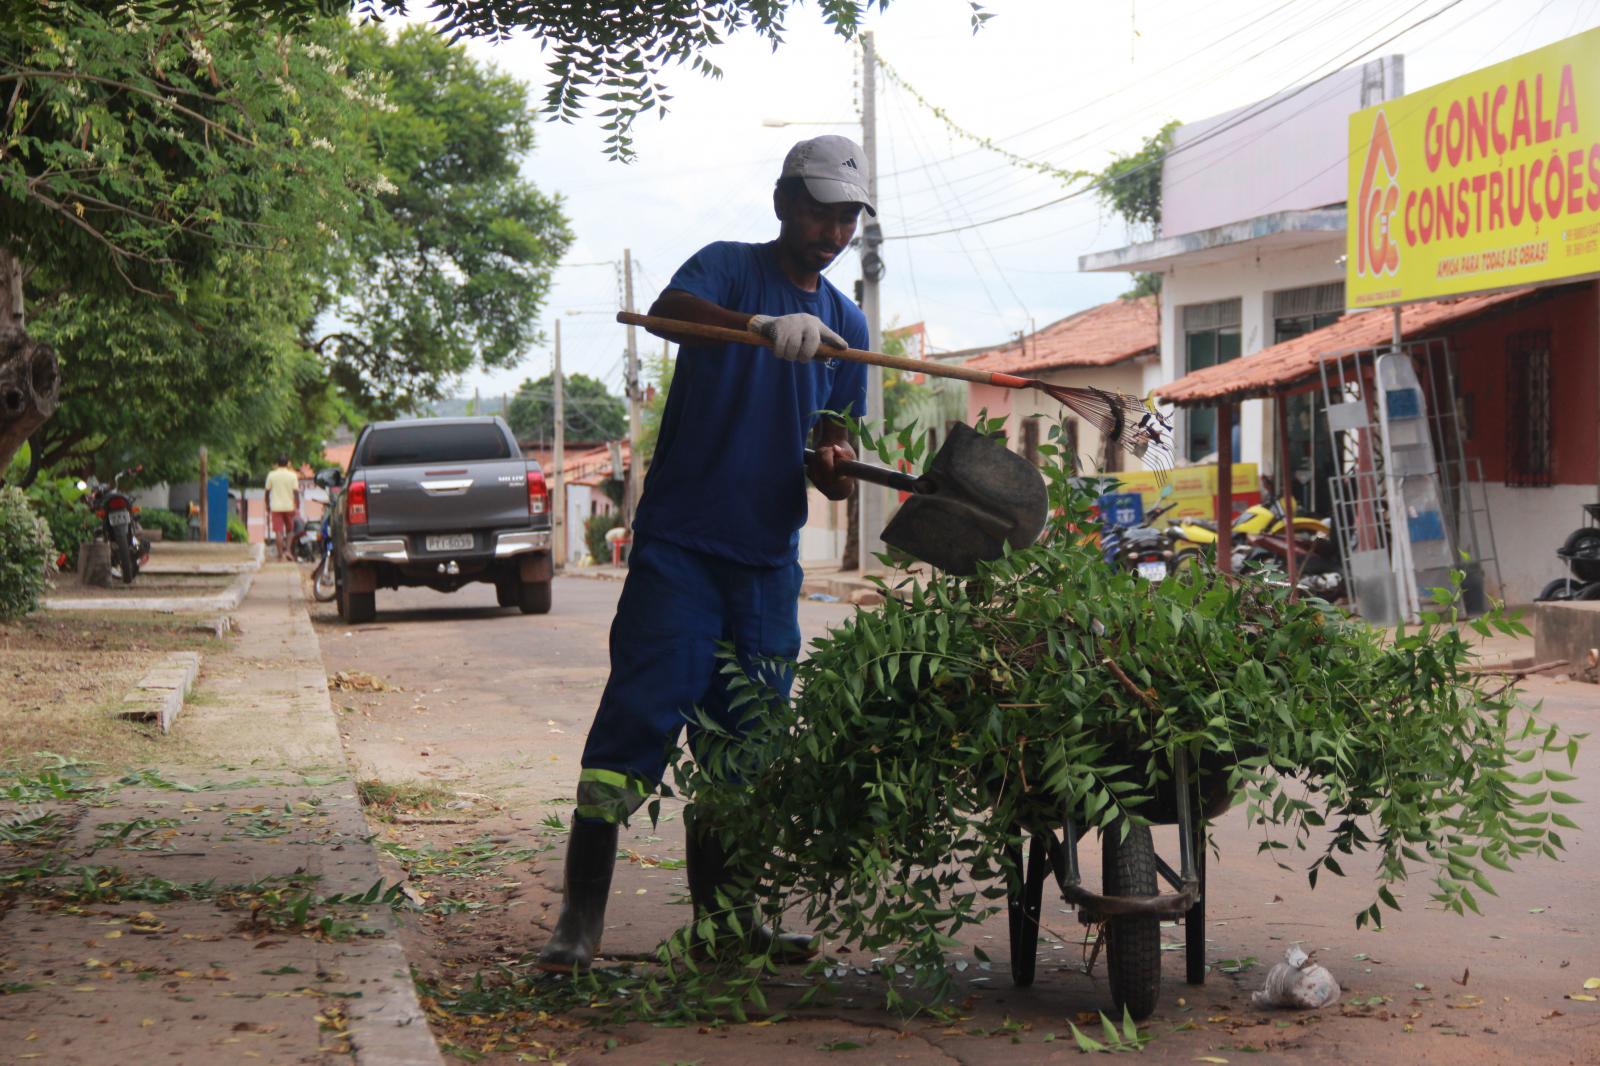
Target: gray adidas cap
<point x="834" y="169"/>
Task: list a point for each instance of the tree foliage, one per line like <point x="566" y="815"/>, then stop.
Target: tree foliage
<point x="658" y="370"/>
<point x="591" y="413"/>
<point x="1131" y="187"/>
<point x="178" y="265"/>
<point x="605" y="54"/>
<point x="453" y="263"/>
<point x="171" y="191"/>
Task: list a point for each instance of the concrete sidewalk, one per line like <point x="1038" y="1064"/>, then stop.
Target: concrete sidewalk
<point x="183" y="914"/>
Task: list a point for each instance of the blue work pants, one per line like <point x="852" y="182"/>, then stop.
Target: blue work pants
<point x="678" y="607"/>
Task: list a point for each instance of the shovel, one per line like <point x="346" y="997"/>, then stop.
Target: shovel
<point x="977" y="497"/>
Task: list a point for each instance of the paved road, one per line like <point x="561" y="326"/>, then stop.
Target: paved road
<point x="497" y="704"/>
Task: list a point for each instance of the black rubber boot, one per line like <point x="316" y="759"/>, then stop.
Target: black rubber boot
<point x="708" y="872"/>
<point x="591" y="855"/>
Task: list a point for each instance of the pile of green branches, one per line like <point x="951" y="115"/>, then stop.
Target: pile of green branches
<point x="880" y="804"/>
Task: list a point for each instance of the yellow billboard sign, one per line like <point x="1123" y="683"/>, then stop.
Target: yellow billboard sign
<point x="1484" y="182"/>
<point x="1194" y="488"/>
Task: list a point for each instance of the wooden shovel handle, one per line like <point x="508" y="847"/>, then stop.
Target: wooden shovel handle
<point x="878" y="475"/>
<point x="676" y="329"/>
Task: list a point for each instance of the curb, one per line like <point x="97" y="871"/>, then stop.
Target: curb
<point x="220" y="603"/>
<point x="594" y="575"/>
<point x="257" y="554"/>
<point x="159" y="695"/>
<point x="387" y="1026"/>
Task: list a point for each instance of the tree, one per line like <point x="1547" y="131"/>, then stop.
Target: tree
<point x="591" y="413"/>
<point x="659" y="371"/>
<point x="1131" y="187"/>
<point x="607" y="52"/>
<point x="453" y="263"/>
<point x="153" y="185"/>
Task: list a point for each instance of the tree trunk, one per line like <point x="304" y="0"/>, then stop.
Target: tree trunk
<point x="30" y="379"/>
<point x="851" y="559"/>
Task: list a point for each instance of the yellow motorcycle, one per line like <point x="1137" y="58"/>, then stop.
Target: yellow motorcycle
<point x="1193" y="538"/>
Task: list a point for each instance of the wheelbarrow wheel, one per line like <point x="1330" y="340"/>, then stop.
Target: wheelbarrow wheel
<point x="1194" y="922"/>
<point x="1133" y="941"/>
<point x="1024" y="909"/>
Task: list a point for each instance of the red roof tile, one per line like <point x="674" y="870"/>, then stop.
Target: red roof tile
<point x="1099" y="336"/>
<point x="1295" y="361"/>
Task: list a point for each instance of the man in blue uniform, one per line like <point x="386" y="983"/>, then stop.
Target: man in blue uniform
<point x="714" y="557"/>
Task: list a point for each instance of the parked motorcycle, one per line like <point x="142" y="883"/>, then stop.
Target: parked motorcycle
<point x="324" y="582"/>
<point x="1141" y="549"/>
<point x="304" y="540"/>
<point x="1192" y="538"/>
<point x="119" y="525"/>
<point x="1581" y="554"/>
<point x="1317" y="568"/>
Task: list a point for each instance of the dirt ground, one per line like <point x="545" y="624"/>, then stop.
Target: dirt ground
<point x="61" y="671"/>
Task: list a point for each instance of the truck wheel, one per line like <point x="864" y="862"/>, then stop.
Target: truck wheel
<point x="534" y="597"/>
<point x="506" y="592"/>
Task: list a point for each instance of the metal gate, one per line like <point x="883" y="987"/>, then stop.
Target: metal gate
<point x="1402" y="460"/>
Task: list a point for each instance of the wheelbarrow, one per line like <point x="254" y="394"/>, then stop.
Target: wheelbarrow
<point x="1131" y="906"/>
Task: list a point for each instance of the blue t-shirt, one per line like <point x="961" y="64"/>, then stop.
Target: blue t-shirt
<point x="728" y="477"/>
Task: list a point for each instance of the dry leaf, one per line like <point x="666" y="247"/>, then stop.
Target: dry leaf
<point x="1591" y="983"/>
<point x="1584" y="997"/>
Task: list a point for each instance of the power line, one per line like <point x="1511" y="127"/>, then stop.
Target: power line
<point x="1243" y="116"/>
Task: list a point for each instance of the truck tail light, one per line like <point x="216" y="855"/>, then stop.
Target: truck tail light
<point x="355" y="500"/>
<point x="538" y="493"/>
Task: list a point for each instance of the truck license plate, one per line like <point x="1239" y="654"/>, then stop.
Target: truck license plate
<point x="1152" y="571"/>
<point x="450" y="542"/>
<point x="119" y="518"/>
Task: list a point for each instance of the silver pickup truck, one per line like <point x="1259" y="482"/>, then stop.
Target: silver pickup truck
<point x="440" y="502"/>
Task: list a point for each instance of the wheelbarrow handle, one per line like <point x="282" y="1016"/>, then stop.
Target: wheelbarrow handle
<point x="878" y="475"/>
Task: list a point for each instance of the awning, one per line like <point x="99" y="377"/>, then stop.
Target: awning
<point x="1283" y="367"/>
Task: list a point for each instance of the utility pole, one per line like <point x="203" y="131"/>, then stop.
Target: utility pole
<point x="205" y="492"/>
<point x="558" y="493"/>
<point x="631" y="378"/>
<point x="874" y="499"/>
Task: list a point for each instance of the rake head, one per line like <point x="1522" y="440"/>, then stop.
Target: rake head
<point x="1126" y="421"/>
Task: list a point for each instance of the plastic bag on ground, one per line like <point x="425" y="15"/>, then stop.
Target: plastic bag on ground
<point x="1297" y="982"/>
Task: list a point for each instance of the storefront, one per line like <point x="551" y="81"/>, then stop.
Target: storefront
<point x="1474" y="230"/>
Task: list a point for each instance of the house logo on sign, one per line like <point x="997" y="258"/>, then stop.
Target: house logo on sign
<point x="1377" y="252"/>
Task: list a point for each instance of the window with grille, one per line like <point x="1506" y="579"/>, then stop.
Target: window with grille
<point x="1299" y="311"/>
<point x="1528" y="451"/>
<point x="1030" y="440"/>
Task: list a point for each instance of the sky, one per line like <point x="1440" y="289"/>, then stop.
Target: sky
<point x="1068" y="84"/>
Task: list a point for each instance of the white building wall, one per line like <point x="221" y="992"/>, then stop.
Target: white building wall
<point x="1252" y="277"/>
<point x="1529" y="525"/>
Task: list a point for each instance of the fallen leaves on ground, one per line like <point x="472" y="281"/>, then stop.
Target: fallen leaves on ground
<point x="358" y="681"/>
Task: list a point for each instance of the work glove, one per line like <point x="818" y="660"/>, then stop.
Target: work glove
<point x="795" y="337"/>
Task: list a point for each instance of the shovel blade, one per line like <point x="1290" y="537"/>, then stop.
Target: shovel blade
<point x="984" y="497"/>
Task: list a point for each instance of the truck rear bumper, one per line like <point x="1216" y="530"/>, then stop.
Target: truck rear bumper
<point x="387" y="549"/>
<point x="530" y="540"/>
<point x="396" y="550"/>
